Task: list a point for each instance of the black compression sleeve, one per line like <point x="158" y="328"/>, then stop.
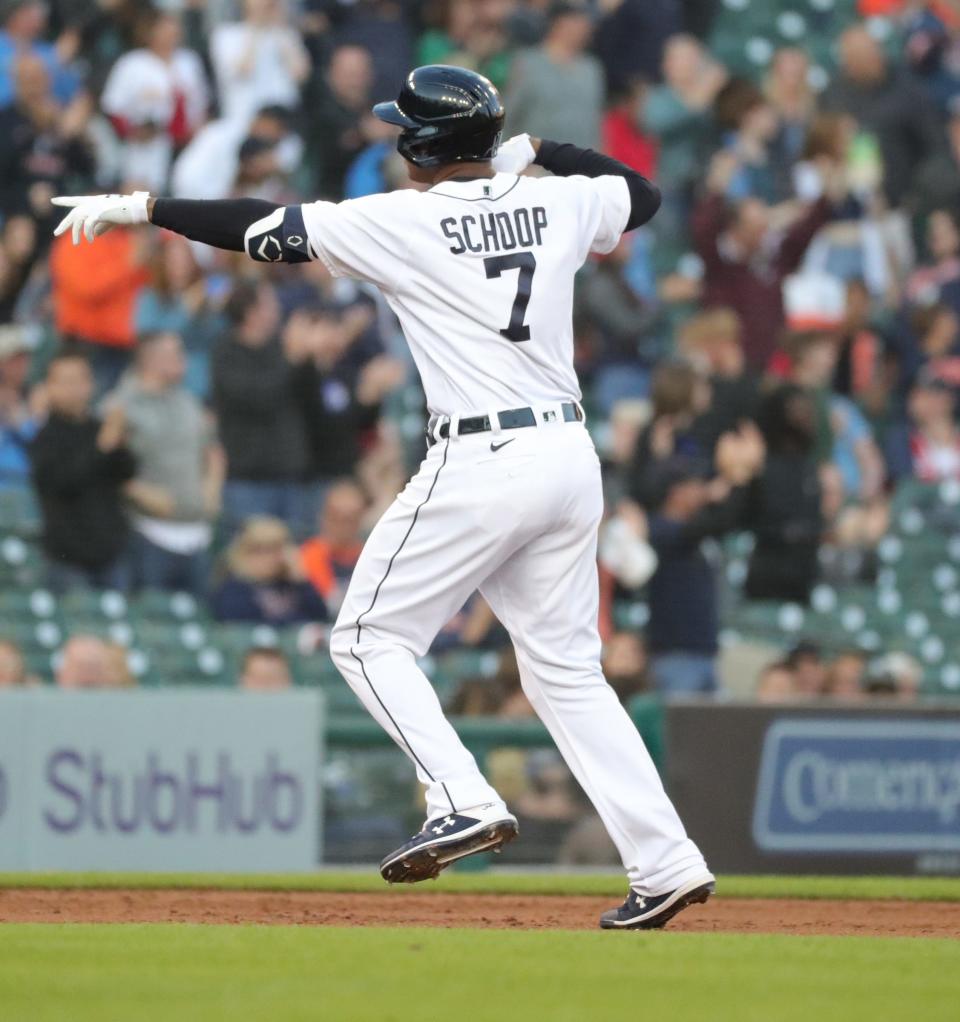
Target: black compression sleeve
<point x="218" y="222"/>
<point x="565" y="160"/>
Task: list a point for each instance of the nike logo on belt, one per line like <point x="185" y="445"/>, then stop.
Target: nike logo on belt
<point x="496" y="447"/>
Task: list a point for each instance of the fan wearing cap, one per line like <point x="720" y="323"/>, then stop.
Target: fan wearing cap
<point x="18" y="425"/>
<point x="927" y="446"/>
<point x="479" y="267"/>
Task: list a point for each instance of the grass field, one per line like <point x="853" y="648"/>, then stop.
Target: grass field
<point x="223" y="973"/>
<point x="182" y="972"/>
<point x="496" y="882"/>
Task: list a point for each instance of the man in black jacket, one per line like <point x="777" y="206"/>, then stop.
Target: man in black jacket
<point x="80" y="466"/>
<point x="683" y="628"/>
<point x="261" y="384"/>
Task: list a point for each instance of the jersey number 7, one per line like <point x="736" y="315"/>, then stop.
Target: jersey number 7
<point x="526" y="264"/>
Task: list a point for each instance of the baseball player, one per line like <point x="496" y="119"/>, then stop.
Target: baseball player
<point x="479" y="269"/>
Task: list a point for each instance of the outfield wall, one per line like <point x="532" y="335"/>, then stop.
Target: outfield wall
<point x="160" y="780"/>
<point x="818" y="789"/>
<point x="193" y="780"/>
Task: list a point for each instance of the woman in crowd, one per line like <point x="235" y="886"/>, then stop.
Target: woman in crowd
<point x="264" y="583"/>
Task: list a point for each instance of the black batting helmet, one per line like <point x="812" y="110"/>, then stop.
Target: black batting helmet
<point x="448" y="115"/>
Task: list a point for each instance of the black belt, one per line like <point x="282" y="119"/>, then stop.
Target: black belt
<point x="514" y="418"/>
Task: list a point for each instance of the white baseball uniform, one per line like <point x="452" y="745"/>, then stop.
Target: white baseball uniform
<point x="480" y="273"/>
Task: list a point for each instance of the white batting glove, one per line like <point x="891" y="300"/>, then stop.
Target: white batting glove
<point x="96" y="214"/>
<point x="514" y="156"/>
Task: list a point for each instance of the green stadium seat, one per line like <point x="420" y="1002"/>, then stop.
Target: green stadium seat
<point x="630" y="615"/>
<point x="89" y="605"/>
<point x="19" y="512"/>
<point x="163" y="606"/>
<point x="39" y="662"/>
<point x="27" y="604"/>
<point x="21" y="563"/>
<point x="188" y="635"/>
<point x="119" y="632"/>
<point x="947" y="678"/>
<point x="178" y="666"/>
<point x="759" y="616"/>
<point x="238" y="638"/>
<point x="45" y="635"/>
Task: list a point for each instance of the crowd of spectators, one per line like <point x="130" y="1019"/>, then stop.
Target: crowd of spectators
<point x="775" y="353"/>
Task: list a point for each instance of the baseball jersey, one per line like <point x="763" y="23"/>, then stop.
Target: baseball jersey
<point x="480" y="274"/>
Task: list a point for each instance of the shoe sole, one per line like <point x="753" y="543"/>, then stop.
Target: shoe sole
<point x="696" y="896"/>
<point x="428" y="862"/>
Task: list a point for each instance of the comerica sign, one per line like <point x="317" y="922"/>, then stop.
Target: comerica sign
<point x="819" y="788"/>
<point x="175" y="779"/>
<point x="857" y="785"/>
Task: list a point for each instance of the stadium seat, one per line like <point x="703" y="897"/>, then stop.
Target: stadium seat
<point x="88" y="604"/>
<point x="160" y="606"/>
<point x="21" y="562"/>
<point x="238" y="638"/>
<point x="164" y="634"/>
<point x="19" y="512"/>
<point x="178" y="666"/>
<point x="27" y="605"/>
<point x="27" y="634"/>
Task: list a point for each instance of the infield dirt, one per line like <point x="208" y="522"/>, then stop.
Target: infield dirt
<point x="403" y="908"/>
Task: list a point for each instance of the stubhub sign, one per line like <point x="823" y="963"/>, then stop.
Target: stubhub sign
<point x="159" y="780"/>
<point x="859" y="786"/>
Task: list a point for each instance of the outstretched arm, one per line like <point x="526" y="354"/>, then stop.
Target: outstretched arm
<point x="265" y="231"/>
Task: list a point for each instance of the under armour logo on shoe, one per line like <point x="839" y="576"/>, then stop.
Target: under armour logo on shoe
<point x="448" y="821"/>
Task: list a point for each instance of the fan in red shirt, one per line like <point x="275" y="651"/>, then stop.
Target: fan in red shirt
<point x="622" y="131"/>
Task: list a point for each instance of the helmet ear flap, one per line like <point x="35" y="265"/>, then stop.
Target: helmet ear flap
<point x="416" y="149"/>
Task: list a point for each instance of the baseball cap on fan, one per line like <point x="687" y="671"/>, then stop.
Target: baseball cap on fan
<point x="13" y="341"/>
<point x="568" y="8"/>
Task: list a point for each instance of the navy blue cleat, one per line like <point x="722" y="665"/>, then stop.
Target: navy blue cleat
<point x="485" y="828"/>
<point x="639" y="913"/>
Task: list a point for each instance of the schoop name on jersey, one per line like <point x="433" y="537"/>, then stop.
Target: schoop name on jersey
<point x="495" y="232"/>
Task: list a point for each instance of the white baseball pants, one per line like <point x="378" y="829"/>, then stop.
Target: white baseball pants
<point x="520" y="524"/>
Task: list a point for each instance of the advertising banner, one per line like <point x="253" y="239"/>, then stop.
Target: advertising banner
<point x="781" y="789"/>
<point x="173" y="780"/>
<point x="859" y="786"/>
